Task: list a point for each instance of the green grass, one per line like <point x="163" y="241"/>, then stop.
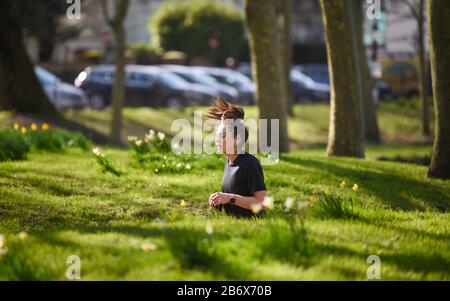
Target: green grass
<point x="68" y="206"/>
<point x="399" y="122"/>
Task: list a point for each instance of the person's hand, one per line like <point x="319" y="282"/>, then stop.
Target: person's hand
<point x="210" y="201"/>
<point x="219" y="198"/>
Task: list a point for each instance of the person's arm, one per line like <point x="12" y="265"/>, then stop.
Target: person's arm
<point x="220" y="198"/>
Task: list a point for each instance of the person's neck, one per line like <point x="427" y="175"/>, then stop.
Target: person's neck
<point x="232" y="157"/>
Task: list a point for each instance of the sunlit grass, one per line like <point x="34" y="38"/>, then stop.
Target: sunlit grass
<point x="137" y="227"/>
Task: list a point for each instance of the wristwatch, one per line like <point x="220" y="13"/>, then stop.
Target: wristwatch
<point x="233" y="200"/>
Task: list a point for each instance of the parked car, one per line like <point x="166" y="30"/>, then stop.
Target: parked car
<point x="319" y="73"/>
<point x="235" y="79"/>
<point x="201" y="78"/>
<point x="62" y="95"/>
<point x="305" y="89"/>
<point x="144" y="86"/>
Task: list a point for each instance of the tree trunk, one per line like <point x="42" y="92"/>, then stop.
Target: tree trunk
<point x="283" y="10"/>
<point x="371" y="129"/>
<point x="267" y="69"/>
<point x="20" y="90"/>
<point x="118" y="92"/>
<point x="439" y="29"/>
<point x="346" y="135"/>
<point x="423" y="87"/>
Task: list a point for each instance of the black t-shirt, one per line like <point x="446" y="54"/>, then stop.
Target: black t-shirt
<point x="244" y="176"/>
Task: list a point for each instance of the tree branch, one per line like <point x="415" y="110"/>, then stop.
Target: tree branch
<point x="120" y="12"/>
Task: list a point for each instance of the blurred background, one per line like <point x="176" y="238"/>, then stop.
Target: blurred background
<point x="179" y="54"/>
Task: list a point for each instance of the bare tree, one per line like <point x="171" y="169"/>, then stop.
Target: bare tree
<point x="416" y="10"/>
<point x="439" y="29"/>
<point x="267" y="65"/>
<point x="118" y="92"/>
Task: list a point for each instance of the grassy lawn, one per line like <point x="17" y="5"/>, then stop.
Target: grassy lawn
<point x="399" y="122"/>
<point x="137" y="227"/>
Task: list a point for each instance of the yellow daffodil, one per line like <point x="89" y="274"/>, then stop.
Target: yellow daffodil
<point x="33" y="127"/>
<point x="45" y="126"/>
<point x="16" y="126"/>
<point x="327" y="192"/>
<point x="256" y="208"/>
<point x="312" y="200"/>
<point x="23" y="236"/>
<point x="2" y="241"/>
<point x="23" y="130"/>
<point x="343" y="184"/>
<point x="355" y="187"/>
<point x="183" y="203"/>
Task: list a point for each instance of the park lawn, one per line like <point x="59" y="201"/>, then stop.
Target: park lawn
<point x="136" y="227"/>
<point x="308" y="129"/>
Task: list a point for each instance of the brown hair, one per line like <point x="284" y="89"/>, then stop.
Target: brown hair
<point x="226" y="110"/>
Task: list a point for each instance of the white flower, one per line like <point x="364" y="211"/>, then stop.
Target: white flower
<point x="139" y="142"/>
<point x="209" y="228"/>
<point x="256" y="208"/>
<point x="148" y="247"/>
<point x="179" y="165"/>
<point x="188" y="167"/>
<point x="268" y="202"/>
<point x="161" y="136"/>
<point x="97" y="152"/>
<point x="3" y="248"/>
<point x="150" y="136"/>
<point x="302" y="205"/>
<point x="289" y="203"/>
<point x="132" y="138"/>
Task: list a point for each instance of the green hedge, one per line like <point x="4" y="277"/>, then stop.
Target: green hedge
<point x="187" y="26"/>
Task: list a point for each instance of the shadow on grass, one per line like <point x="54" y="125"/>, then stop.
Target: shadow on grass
<point x="393" y="189"/>
<point x="192" y="248"/>
<point x="419" y="262"/>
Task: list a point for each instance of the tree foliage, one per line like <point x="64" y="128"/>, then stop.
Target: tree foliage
<point x="188" y="26"/>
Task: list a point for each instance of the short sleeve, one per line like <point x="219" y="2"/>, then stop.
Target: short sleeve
<point x="255" y="177"/>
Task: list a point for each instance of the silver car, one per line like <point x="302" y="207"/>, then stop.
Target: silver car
<point x="62" y="95"/>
